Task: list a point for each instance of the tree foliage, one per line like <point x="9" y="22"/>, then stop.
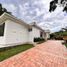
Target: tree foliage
<point x="2" y="10"/>
<point x="64" y="29"/>
<point x="59" y="34"/>
<point x="54" y="3"/>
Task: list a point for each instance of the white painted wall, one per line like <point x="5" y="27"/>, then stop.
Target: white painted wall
<point x="15" y="33"/>
<point x="2" y="41"/>
<point x="47" y="35"/>
<point x="34" y="33"/>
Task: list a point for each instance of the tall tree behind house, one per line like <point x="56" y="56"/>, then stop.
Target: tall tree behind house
<point x="2" y="10"/>
<point x="54" y="3"/>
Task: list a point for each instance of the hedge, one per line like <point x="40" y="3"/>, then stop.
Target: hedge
<point x="39" y="39"/>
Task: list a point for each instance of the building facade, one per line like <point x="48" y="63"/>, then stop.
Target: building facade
<point x="16" y="32"/>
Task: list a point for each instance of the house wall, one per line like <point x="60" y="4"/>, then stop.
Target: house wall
<point x="34" y="33"/>
<point x="15" y="33"/>
<point x="47" y="35"/>
<point x="2" y="41"/>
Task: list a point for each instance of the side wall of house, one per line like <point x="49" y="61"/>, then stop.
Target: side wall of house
<point x="34" y="33"/>
<point x="2" y="41"/>
<point x="15" y="33"/>
<point x="47" y="35"/>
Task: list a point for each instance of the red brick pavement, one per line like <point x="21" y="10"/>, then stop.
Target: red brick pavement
<point x="48" y="54"/>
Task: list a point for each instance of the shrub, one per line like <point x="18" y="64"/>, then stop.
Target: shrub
<point x="39" y="39"/>
<point x="66" y="45"/>
<point x="59" y="38"/>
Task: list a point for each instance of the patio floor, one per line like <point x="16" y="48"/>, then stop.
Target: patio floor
<point x="48" y="54"/>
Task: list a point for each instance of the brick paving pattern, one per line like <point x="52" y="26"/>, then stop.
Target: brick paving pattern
<point x="48" y="54"/>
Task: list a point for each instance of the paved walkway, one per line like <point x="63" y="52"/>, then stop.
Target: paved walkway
<point x="48" y="54"/>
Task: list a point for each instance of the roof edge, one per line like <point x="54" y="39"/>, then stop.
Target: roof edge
<point x="6" y="16"/>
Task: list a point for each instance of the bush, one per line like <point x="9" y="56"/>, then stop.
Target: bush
<point x="39" y="39"/>
<point x="66" y="45"/>
<point x="59" y="38"/>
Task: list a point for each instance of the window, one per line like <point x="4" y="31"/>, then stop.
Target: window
<point x="41" y="34"/>
<point x="2" y="29"/>
<point x="30" y="29"/>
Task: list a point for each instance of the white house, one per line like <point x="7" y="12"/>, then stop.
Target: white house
<point x="14" y="31"/>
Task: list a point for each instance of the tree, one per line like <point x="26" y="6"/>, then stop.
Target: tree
<point x="2" y="10"/>
<point x="64" y="29"/>
<point x="54" y="3"/>
<point x="52" y="6"/>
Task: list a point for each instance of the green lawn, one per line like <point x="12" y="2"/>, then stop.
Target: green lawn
<point x="66" y="45"/>
<point x="8" y="52"/>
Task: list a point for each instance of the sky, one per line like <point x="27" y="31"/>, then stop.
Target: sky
<point x="38" y="11"/>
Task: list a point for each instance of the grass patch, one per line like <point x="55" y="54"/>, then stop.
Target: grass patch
<point x="66" y="45"/>
<point x="11" y="51"/>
